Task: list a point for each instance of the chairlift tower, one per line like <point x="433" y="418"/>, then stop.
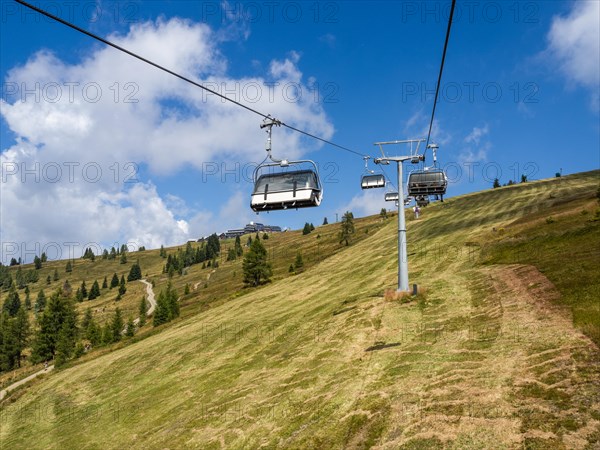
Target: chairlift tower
<point x="414" y="158"/>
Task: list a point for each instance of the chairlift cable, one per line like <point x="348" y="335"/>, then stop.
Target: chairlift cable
<point x="439" y="81"/>
<point x="175" y="74"/>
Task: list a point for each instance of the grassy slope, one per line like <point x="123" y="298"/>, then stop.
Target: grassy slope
<point x="290" y="364"/>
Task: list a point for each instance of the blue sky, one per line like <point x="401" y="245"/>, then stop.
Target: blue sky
<point x="99" y="148"/>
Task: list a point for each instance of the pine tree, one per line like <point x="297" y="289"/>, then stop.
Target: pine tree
<point x="114" y="282"/>
<point x="523" y="178"/>
<point x="122" y="288"/>
<point x="94" y="291"/>
<point x="123" y="258"/>
<point x="116" y="326"/>
<point x="83" y="289"/>
<point x="66" y="289"/>
<point x="27" y="299"/>
<point x="69" y="267"/>
<point x="37" y="262"/>
<point x="65" y="345"/>
<point x="56" y="277"/>
<point x="105" y="283"/>
<point x="105" y="254"/>
<point x="130" y="327"/>
<point x="12" y="304"/>
<point x="58" y="317"/>
<point x="93" y="333"/>
<point x="299" y="263"/>
<point x="143" y="311"/>
<point x="20" y="328"/>
<point x="239" y="251"/>
<point x="312" y="227"/>
<point x="87" y="319"/>
<point x="347" y="226"/>
<point x="306" y="230"/>
<point x="231" y="255"/>
<point x="325" y="222"/>
<point x="496" y="183"/>
<point x="112" y="254"/>
<point x="135" y="273"/>
<point x="256" y="268"/>
<point x="40" y="302"/>
<point x="161" y="313"/>
<point x="44" y="257"/>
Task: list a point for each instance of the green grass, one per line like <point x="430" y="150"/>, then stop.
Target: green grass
<point x="292" y="364"/>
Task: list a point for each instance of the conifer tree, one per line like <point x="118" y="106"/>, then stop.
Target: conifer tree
<point x="69" y="267"/>
<point x="122" y="288"/>
<point x="40" y="302"/>
<point x="256" y="268"/>
<point x="123" y="259"/>
<point x="56" y="277"/>
<point x="143" y="311"/>
<point x="116" y="326"/>
<point x="12" y="303"/>
<point x="239" y="251"/>
<point x="83" y="288"/>
<point x="130" y="327"/>
<point x="48" y="280"/>
<point x="135" y="273"/>
<point x="114" y="282"/>
<point x="347" y="227"/>
<point x="44" y="257"/>
<point x="299" y="263"/>
<point x="58" y="317"/>
<point x="37" y="262"/>
<point x="325" y="222"/>
<point x="306" y="230"/>
<point x="105" y="283"/>
<point x="94" y="291"/>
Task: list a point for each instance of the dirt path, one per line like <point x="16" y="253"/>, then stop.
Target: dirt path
<point x="24" y="380"/>
<point x="150" y="297"/>
<point x="207" y="279"/>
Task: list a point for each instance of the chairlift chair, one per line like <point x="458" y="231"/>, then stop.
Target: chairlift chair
<point x="427" y="182"/>
<point x="282" y="189"/>
<point x="286" y="189"/>
<point x="391" y="196"/>
<point x="371" y="180"/>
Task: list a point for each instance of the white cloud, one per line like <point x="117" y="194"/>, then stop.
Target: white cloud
<point x="574" y="43"/>
<point x="477" y="146"/>
<point x="367" y="203"/>
<point x="113" y="110"/>
<point x="474" y="137"/>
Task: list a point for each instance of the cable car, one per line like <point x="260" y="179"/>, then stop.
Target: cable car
<point x="283" y="190"/>
<point x="427" y="182"/>
<point x="371" y="181"/>
<point x="391" y="196"/>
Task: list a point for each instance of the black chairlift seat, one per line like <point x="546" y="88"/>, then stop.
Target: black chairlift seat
<point x="283" y="190"/>
<point x="372" y="181"/>
<point x="427" y="182"/>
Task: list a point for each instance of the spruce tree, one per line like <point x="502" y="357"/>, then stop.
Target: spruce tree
<point x="105" y="283"/>
<point x="123" y="259"/>
<point x="122" y="288"/>
<point x="130" y="327"/>
<point x="347" y="227"/>
<point x="20" y="331"/>
<point x="496" y="183"/>
<point x="40" y="302"/>
<point x="58" y="317"/>
<point x="325" y="222"/>
<point x="239" y="251"/>
<point x="94" y="291"/>
<point x="37" y="262"/>
<point x="83" y="288"/>
<point x="143" y="311"/>
<point x="69" y="267"/>
<point x="12" y="304"/>
<point x="306" y="230"/>
<point x="44" y="257"/>
<point x="56" y="277"/>
<point x="114" y="282"/>
<point x="48" y="280"/>
<point x="135" y="273"/>
<point x="299" y="263"/>
<point x="116" y="326"/>
<point x="256" y="268"/>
